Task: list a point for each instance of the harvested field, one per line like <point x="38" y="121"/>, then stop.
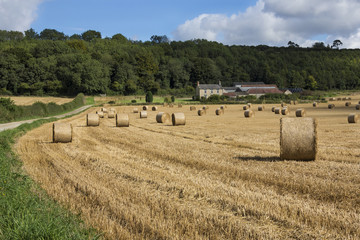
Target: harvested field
<point x="30" y="100"/>
<point x="214" y="178"/>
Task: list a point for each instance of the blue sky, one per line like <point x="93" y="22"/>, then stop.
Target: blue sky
<point x="249" y="22"/>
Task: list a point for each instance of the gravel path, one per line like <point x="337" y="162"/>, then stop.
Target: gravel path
<point x="11" y="125"/>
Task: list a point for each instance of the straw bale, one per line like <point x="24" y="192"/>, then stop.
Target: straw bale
<point x="283" y="104"/>
<point x="315" y="104"/>
<point x="277" y="110"/>
<point x="135" y="110"/>
<point x="165" y="104"/>
<point x="245" y="107"/>
<point x="143" y="114"/>
<point x="92" y="119"/>
<point x="192" y="108"/>
<point x="298" y="138"/>
<point x="273" y="109"/>
<point x="179" y="105"/>
<point x="300" y="112"/>
<point x="162" y="117"/>
<point x="285" y="111"/>
<point x="249" y="113"/>
<point x="347" y="104"/>
<point x="62" y="132"/>
<point x="331" y="106"/>
<point x="249" y="104"/>
<point x="101" y="114"/>
<point x="171" y="105"/>
<point x="353" y="118"/>
<point x="178" y="119"/>
<point x="357" y="107"/>
<point x="201" y="112"/>
<point x="112" y="109"/>
<point x="218" y="111"/>
<point x="111" y="114"/>
<point x="154" y="108"/>
<point x="104" y="110"/>
<point x="339" y="99"/>
<point x="122" y="120"/>
<point x="261" y="108"/>
<point x="145" y="108"/>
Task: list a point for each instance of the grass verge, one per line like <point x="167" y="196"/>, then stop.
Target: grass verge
<point x="26" y="212"/>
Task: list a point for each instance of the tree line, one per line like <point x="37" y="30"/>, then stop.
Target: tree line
<point x="51" y="63"/>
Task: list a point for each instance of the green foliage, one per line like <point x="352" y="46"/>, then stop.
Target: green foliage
<point x="166" y="100"/>
<point x="133" y="101"/>
<point x="149" y="97"/>
<point x="172" y="98"/>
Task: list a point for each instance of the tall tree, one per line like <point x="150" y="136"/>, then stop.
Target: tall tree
<point x="90" y="35"/>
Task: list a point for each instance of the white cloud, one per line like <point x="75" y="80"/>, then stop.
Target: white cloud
<point x="17" y="15"/>
<point x="275" y="22"/>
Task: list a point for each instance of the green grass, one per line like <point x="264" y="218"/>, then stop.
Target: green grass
<point x="26" y="212"/>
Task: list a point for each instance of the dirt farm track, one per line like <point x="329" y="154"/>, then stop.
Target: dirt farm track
<point x="217" y="177"/>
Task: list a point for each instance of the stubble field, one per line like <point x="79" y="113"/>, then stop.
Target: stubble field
<point x="217" y="177"/>
<point x="30" y="100"/>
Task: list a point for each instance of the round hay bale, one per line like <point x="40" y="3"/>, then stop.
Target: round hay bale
<point x="62" y="132"/>
<point x="331" y="106"/>
<point x="222" y="107"/>
<point x="353" y="118"/>
<point x="112" y="110"/>
<point x="249" y="113"/>
<point x="201" y="112"/>
<point x="101" y="114"/>
<point x="315" y="104"/>
<point x="218" y="111"/>
<point x="296" y="102"/>
<point x="171" y="105"/>
<point x="178" y="119"/>
<point x="339" y="99"/>
<point x="347" y="104"/>
<point x="291" y="102"/>
<point x="283" y="104"/>
<point x="122" y="120"/>
<point x="246" y="107"/>
<point x="143" y="114"/>
<point x="277" y="110"/>
<point x="249" y="104"/>
<point x="154" y="108"/>
<point x="104" y="110"/>
<point x="298" y="139"/>
<point x="135" y="110"/>
<point x="273" y="109"/>
<point x="359" y="102"/>
<point x="300" y="112"/>
<point x="261" y="108"/>
<point x="145" y="108"/>
<point x="179" y="105"/>
<point x="357" y="107"/>
<point x="92" y="119"/>
<point x="165" y="104"/>
<point x="205" y="107"/>
<point x="285" y="111"/>
<point x="333" y="99"/>
<point x="192" y="108"/>
<point x="111" y="114"/>
<point x="162" y="117"/>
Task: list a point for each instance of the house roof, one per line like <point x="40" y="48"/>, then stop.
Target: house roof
<point x="209" y="86"/>
<point x="263" y="90"/>
<point x="260" y="86"/>
<point x="248" y="83"/>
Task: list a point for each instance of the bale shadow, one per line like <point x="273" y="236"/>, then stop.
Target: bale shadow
<point x="258" y="158"/>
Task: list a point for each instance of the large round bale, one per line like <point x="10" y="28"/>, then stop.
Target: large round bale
<point x="359" y="102"/>
<point x="205" y="107"/>
<point x="261" y="108"/>
<point x="135" y="110"/>
<point x="357" y="107"/>
<point x="296" y="102"/>
<point x="143" y="114"/>
<point x="201" y="112"/>
<point x="104" y="110"/>
<point x="249" y="104"/>
<point x="331" y="106"/>
<point x="92" y="119"/>
<point x="300" y="112"/>
<point x="218" y="111"/>
<point x="100" y="113"/>
<point x="222" y="107"/>
<point x="179" y="105"/>
<point x="283" y="104"/>
<point x="171" y="105"/>
<point x="347" y="104"/>
<point x="112" y="110"/>
<point x="353" y="118"/>
<point x="273" y="109"/>
<point x="165" y="104"/>
<point x="249" y="113"/>
<point x="178" y="119"/>
<point x="62" y="132"/>
<point x="154" y="108"/>
<point x="162" y="117"/>
<point x="145" y="108"/>
<point x="298" y="138"/>
<point x="192" y="108"/>
<point x="245" y="107"/>
<point x="315" y="104"/>
<point x="111" y="114"/>
<point x="285" y="111"/>
<point x="291" y="102"/>
<point x="122" y="120"/>
<point x="277" y="110"/>
<point x="333" y="99"/>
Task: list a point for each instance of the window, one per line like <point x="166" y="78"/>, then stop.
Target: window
<point x="217" y="91"/>
<point x="211" y="91"/>
<point x="204" y="91"/>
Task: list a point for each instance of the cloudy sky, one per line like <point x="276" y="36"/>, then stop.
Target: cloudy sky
<point x="232" y="22"/>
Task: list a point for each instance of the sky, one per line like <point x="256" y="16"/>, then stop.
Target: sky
<point x="231" y="22"/>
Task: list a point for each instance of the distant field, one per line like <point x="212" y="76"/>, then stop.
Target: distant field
<point x="139" y="99"/>
<point x="30" y="100"/>
<point x="217" y="177"/>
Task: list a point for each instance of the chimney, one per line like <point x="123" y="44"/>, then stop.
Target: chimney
<point x="198" y="83"/>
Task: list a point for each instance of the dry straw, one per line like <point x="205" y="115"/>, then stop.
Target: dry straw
<point x="178" y="119"/>
<point x="122" y="120"/>
<point x="315" y="104"/>
<point x="165" y="104"/>
<point x="339" y="99"/>
<point x="285" y="111"/>
<point x="261" y="108"/>
<point x="298" y="138"/>
<point x="112" y="109"/>
<point x="62" y="132"/>
<point x="357" y="107"/>
<point x="249" y="104"/>
<point x="333" y="99"/>
<point x="171" y="105"/>
<point x="347" y="104"/>
<point x="205" y="107"/>
<point x="300" y="112"/>
<point x="283" y="104"/>
<point x="145" y="108"/>
<point x="277" y="110"/>
<point x="273" y="109"/>
<point x="249" y="113"/>
<point x="353" y="118"/>
<point x="111" y="114"/>
<point x="92" y="119"/>
<point x="143" y="114"/>
<point x="135" y="110"/>
<point x="201" y="112"/>
<point x="104" y="110"/>
<point x="218" y="111"/>
<point x="192" y="108"/>
<point x="331" y="106"/>
<point x="101" y="114"/>
<point x="154" y="108"/>
<point x="162" y="117"/>
<point x="179" y="105"/>
<point x="359" y="102"/>
<point x="246" y="107"/>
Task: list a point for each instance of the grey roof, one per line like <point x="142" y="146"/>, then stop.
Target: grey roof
<point x="229" y="88"/>
<point x="248" y="83"/>
<point x="209" y="86"/>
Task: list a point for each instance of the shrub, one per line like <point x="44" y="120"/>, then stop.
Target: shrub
<point x="133" y="101"/>
<point x="149" y="97"/>
<point x="172" y="98"/>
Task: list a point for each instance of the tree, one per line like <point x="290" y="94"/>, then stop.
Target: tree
<point x="90" y="35"/>
<point x="31" y="34"/>
<point x="159" y="39"/>
<point x="292" y="45"/>
<point x="149" y="97"/>
<point x="336" y="44"/>
<point x="119" y="37"/>
<point x="319" y="45"/>
<point x="52" y="34"/>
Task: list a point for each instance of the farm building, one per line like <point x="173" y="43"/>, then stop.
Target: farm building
<point x="206" y="90"/>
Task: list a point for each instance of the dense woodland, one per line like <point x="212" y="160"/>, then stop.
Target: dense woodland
<point x="51" y="63"/>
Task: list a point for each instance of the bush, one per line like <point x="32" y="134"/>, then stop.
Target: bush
<point x="172" y="98"/>
<point x="111" y="102"/>
<point x="133" y="101"/>
<point x="149" y="97"/>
